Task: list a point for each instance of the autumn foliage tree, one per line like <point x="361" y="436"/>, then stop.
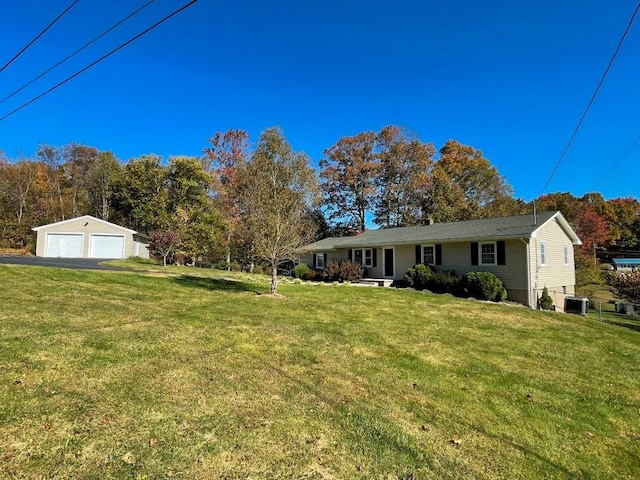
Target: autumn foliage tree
<point x="626" y="285"/>
<point x="348" y="174"/>
<point x="403" y="178"/>
<point x="481" y="185"/>
<point x="227" y="155"/>
<point x="163" y="244"/>
<point x="591" y="228"/>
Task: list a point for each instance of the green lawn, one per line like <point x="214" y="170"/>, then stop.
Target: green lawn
<point x="198" y="375"/>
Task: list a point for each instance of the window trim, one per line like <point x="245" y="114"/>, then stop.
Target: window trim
<point x="422" y="255"/>
<point x="319" y="257"/>
<point x="495" y="253"/>
<point x="543" y="254"/>
<point x="363" y="254"/>
<point x="565" y="252"/>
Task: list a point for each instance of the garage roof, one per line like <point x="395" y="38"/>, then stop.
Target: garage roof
<point x="88" y="217"/>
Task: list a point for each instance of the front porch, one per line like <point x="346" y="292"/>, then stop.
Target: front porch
<point x="375" y="282"/>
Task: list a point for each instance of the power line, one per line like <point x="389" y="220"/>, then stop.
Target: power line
<point x="38" y="36"/>
<point x="135" y="12"/>
<point x="593" y="97"/>
<point x="633" y="144"/>
<point x="79" y="72"/>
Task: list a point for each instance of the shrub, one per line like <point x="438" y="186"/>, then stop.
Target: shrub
<point x="343" y="271"/>
<point x="144" y="261"/>
<point x="304" y="272"/>
<point x="445" y="281"/>
<point x="484" y="286"/>
<point x="418" y="276"/>
<point x="300" y="270"/>
<point x="545" y="302"/>
<point x="625" y="286"/>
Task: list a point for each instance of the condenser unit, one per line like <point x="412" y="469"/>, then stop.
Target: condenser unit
<point x="576" y="305"/>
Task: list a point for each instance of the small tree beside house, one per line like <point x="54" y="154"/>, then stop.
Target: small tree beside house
<point x="277" y="189"/>
<point x="545" y="302"/>
<point x="162" y="244"/>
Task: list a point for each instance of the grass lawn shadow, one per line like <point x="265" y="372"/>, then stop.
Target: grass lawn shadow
<point x="216" y="284"/>
<point x="628" y="324"/>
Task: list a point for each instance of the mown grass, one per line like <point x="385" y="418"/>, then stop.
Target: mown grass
<point x="199" y="375"/>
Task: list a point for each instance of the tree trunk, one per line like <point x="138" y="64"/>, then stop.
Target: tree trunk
<point x="164" y="260"/>
<point x="274" y="279"/>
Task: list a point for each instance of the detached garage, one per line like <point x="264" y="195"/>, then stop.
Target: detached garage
<point x="89" y="237"/>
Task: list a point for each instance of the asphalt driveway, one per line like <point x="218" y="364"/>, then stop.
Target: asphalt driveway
<point x="76" y="263"/>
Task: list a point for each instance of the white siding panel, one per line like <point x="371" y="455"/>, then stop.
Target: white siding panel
<point x="554" y="273"/>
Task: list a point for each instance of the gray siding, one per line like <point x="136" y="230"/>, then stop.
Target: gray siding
<point x="457" y="256"/>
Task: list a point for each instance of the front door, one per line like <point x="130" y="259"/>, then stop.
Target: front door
<point x="389" y="267"/>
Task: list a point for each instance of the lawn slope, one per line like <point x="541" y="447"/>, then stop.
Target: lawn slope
<point x="134" y="375"/>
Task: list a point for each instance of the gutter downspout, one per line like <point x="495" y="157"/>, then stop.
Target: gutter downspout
<point x="527" y="246"/>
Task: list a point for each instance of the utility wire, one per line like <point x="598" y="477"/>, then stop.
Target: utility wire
<point x="38" y="36"/>
<point x="616" y="163"/>
<point x="593" y="97"/>
<point x="135" y="12"/>
<point x="79" y="72"/>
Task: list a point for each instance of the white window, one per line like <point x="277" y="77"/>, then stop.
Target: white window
<point x="319" y="260"/>
<point x="429" y="254"/>
<point x="368" y="257"/>
<point x="363" y="256"/>
<point x="543" y="253"/>
<point x="488" y="253"/>
<point x="566" y="255"/>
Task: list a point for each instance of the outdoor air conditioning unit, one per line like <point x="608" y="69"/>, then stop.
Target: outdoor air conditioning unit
<point x="576" y="305"/>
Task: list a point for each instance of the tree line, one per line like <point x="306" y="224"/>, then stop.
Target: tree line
<point x="238" y="202"/>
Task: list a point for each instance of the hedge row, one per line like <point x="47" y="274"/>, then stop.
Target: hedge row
<point x="480" y="285"/>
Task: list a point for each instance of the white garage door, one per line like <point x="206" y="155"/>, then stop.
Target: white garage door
<point x="66" y="245"/>
<point x="107" y="246"/>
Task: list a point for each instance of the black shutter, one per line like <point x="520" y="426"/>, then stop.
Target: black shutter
<point x="315" y="262"/>
<point x="325" y="259"/>
<point x="501" y="254"/>
<point x="418" y="254"/>
<point x="438" y="254"/>
<point x="474" y="253"/>
<point x="350" y="255"/>
<point x="374" y="255"/>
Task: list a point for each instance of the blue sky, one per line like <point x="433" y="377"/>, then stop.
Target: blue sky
<point x="510" y="78"/>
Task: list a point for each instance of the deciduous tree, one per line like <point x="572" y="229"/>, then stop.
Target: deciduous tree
<point x="141" y="195"/>
<point x="229" y="153"/>
<point x="591" y="228"/>
<point x="478" y="179"/>
<point x="348" y="174"/>
<point x="163" y="243"/>
<point x="101" y="184"/>
<point x="278" y="188"/>
<point x="404" y="178"/>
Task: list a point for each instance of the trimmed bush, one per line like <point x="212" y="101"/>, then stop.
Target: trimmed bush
<point x="545" y="302"/>
<point x="343" y="271"/>
<point x="418" y="276"/>
<point x="484" y="286"/>
<point x="445" y="281"/>
<point x="301" y="270"/>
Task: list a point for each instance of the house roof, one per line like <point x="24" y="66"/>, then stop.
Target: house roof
<point x="521" y="226"/>
<point x="86" y="217"/>
<point x="630" y="261"/>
